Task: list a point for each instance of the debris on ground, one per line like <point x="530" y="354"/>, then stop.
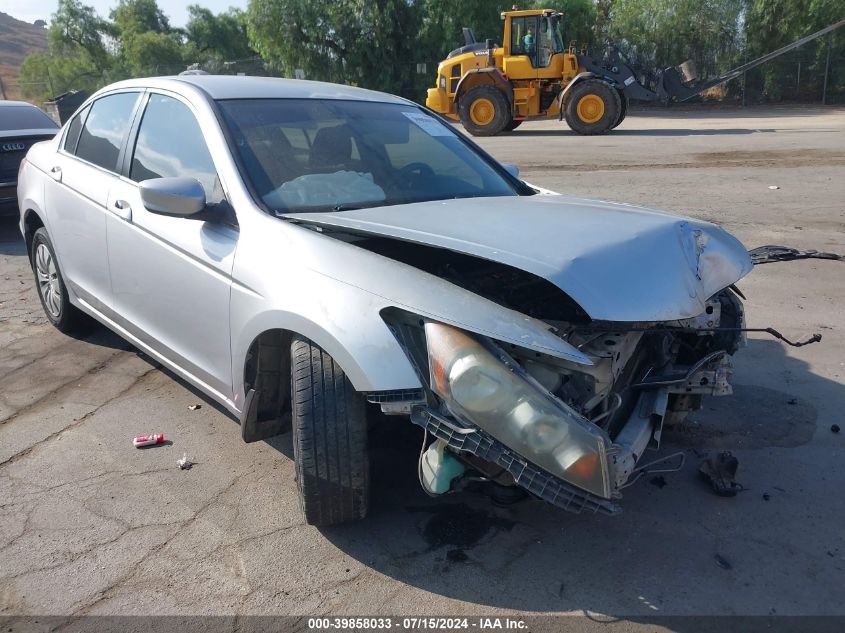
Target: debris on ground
<point x="766" y="496"/>
<point x="194" y="407"/>
<point x="148" y="440"/>
<point x="184" y="463"/>
<point x="773" y="187"/>
<point x="834" y="428"/>
<point x="792" y="401"/>
<point x="659" y="481"/>
<point x="719" y="472"/>
<point x="722" y="562"/>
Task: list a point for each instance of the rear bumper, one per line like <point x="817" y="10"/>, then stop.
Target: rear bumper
<point x="8" y="199"/>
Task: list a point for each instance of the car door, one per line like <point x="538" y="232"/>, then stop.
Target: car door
<point x="83" y="171"/>
<point x="171" y="276"/>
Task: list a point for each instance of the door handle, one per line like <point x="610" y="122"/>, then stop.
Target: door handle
<point x="123" y="210"/>
<point x="56" y="173"/>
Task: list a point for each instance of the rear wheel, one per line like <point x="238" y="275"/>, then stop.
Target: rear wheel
<point x="329" y="438"/>
<point x="510" y="127"/>
<point x="593" y="107"/>
<point x="51" y="286"/>
<point x="484" y="111"/>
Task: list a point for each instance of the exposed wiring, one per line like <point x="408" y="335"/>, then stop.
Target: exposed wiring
<point x="815" y="338"/>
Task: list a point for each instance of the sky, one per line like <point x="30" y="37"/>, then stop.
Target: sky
<point x="176" y="10"/>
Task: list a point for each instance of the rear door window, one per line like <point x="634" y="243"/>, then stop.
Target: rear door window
<point x="171" y="144"/>
<point x="105" y="129"/>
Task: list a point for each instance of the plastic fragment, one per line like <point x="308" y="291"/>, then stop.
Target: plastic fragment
<point x="194" y="407"/>
<point x="184" y="463"/>
<point x="773" y="187"/>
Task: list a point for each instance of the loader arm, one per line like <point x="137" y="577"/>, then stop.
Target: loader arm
<point x="668" y="84"/>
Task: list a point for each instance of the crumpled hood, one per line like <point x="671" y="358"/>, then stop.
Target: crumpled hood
<point x="619" y="262"/>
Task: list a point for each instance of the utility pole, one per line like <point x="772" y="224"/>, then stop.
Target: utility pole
<point x="826" y="69"/>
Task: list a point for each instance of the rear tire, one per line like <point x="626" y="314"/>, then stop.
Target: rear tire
<point x="50" y="285"/>
<point x="484" y="111"/>
<point x="329" y="438"/>
<point x="593" y="107"/>
<point x="510" y="127"/>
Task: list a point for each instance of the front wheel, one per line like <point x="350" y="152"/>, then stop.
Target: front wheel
<point x="593" y="107"/>
<point x="623" y="112"/>
<point x="484" y="111"/>
<point x="329" y="438"/>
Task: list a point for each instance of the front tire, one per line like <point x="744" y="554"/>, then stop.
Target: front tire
<point x="623" y="112"/>
<point x="329" y="438"/>
<point x="593" y="107"/>
<point x="50" y="286"/>
<point x="484" y="111"/>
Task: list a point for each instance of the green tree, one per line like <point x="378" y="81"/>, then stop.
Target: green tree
<point x="662" y="33"/>
<point x="771" y="24"/>
<point x="221" y="37"/>
<point x="134" y="17"/>
<point x="368" y="43"/>
<point x="77" y="31"/>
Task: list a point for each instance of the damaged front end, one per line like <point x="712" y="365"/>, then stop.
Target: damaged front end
<point x="569" y="432"/>
<point x="570" y="333"/>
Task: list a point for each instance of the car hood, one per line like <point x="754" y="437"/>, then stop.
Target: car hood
<point x="619" y="262"/>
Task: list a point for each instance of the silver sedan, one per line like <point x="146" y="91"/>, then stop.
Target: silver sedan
<point x="306" y="253"/>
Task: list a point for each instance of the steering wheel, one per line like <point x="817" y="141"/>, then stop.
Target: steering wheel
<point x="410" y="174"/>
<point x="419" y="169"/>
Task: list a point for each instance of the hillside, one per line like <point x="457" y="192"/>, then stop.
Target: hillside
<point x="17" y="39"/>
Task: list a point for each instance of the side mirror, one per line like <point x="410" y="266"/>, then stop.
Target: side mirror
<point x="513" y="170"/>
<point x="176" y="197"/>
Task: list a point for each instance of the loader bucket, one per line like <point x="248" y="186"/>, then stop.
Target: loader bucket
<point x="687" y="71"/>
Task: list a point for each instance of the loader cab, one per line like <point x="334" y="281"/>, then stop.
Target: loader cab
<point x="533" y="44"/>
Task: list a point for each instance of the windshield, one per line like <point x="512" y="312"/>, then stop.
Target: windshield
<point x="305" y="155"/>
<point x="24" y="118"/>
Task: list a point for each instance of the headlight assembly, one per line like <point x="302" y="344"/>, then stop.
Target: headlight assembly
<point x="481" y="388"/>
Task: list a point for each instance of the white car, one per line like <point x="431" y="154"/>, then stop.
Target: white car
<point x="303" y="252"/>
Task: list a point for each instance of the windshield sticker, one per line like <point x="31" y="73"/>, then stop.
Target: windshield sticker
<point x="430" y="125"/>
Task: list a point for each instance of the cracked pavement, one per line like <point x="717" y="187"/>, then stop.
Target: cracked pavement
<point x="91" y="525"/>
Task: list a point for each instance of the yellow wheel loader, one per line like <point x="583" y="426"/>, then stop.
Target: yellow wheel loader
<point x="493" y="88"/>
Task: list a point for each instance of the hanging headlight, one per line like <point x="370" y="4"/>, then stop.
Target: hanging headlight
<point x="482" y="389"/>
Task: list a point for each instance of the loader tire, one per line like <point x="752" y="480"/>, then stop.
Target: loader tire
<point x="484" y="111"/>
<point x="510" y="127"/>
<point x="329" y="438"/>
<point x="623" y="112"/>
<point x="593" y="107"/>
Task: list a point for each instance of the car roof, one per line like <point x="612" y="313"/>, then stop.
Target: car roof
<point x="10" y="104"/>
<point x="247" y="87"/>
